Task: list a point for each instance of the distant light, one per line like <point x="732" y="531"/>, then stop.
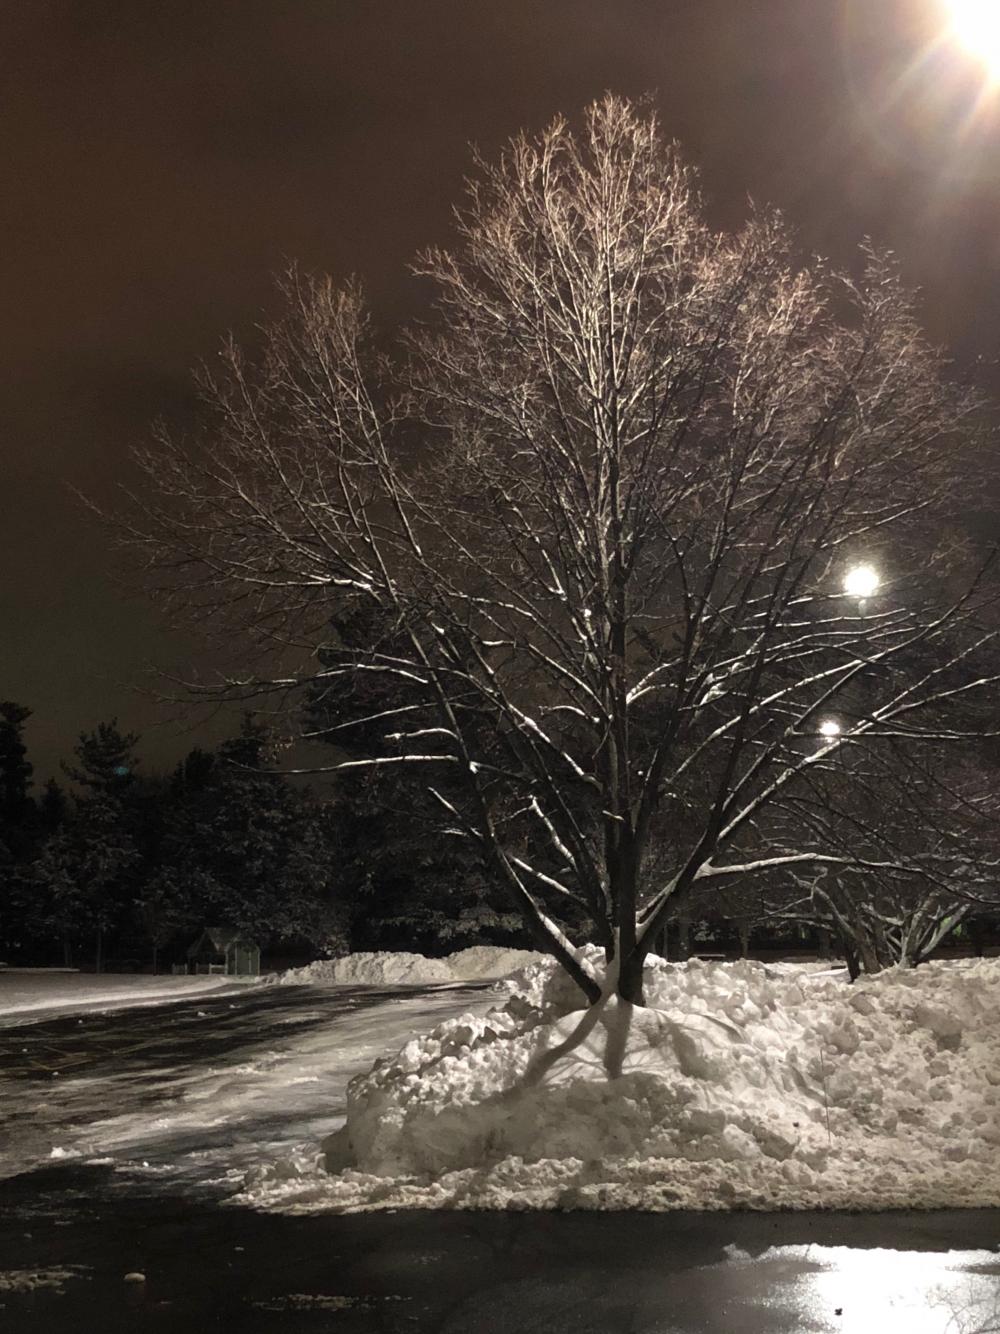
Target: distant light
<point x="829" y="727"/>
<point x="121" y="770"/>
<point x="976" y="24"/>
<point x="861" y="581"/>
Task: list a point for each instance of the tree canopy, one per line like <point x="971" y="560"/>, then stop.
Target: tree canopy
<point x="587" y="535"/>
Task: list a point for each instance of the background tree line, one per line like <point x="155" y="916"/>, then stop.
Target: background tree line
<point x="122" y="868"/>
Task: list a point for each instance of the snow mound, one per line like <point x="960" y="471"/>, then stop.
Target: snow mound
<point x="369" y="970"/>
<point x="486" y="962"/>
<point x="738" y="1085"/>
<point x="480" y="963"/>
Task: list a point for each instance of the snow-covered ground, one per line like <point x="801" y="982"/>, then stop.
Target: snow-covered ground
<point x="211" y="1122"/>
<point x="199" y="1097"/>
<point x="27" y="994"/>
<point x="739" y="1085"/>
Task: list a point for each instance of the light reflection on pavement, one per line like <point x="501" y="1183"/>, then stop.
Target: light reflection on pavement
<point x="858" y="1291"/>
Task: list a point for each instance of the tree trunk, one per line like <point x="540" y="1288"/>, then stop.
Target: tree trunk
<point x="684" y="937"/>
<point x="155" y="954"/>
<point x="630" y="978"/>
<point x="869" y="957"/>
<point x="885" y="955"/>
<point x="744" y="930"/>
<point x="97" y="952"/>
<point x="851" y="959"/>
<point x="67" y="952"/>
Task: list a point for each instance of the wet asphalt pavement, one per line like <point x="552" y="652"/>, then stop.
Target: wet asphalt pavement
<point x="70" y="1233"/>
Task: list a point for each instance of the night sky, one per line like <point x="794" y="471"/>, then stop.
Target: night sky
<point x="161" y="161"/>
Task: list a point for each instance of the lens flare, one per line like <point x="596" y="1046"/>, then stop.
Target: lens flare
<point x="976" y="24"/>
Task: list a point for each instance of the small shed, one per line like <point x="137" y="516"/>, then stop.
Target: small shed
<point x="223" y="949"/>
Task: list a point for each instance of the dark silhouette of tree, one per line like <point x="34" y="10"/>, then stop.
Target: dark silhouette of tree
<point x="106" y="760"/>
<point x="53" y="807"/>
<point x="84" y="882"/>
<point x="15" y="770"/>
<point x="18" y="823"/>
<point x="243" y="846"/>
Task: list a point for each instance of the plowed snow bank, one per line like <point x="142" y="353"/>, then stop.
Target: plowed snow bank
<point x="739" y="1085"/>
<point x="477" y="964"/>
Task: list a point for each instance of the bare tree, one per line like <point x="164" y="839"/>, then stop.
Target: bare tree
<point x="924" y="827"/>
<point x="598" y="521"/>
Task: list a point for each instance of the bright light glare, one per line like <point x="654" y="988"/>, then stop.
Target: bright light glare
<point x="861" y="581"/>
<point x="923" y="1292"/>
<point x="829" y="728"/>
<point x="976" y="24"/>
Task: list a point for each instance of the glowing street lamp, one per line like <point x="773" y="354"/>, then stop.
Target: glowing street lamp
<point x="861" y="581"/>
<point x="976" y="24"/>
<point x="829" y="728"/>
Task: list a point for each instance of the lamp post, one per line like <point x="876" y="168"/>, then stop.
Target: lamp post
<point x="861" y="582"/>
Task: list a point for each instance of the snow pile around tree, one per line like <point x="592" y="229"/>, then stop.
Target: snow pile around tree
<point x="479" y="963"/>
<point x="741" y="1085"/>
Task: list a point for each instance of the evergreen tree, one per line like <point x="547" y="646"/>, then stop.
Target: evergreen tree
<point x="244" y="847"/>
<point x="17" y="809"/>
<point x="106" y="760"/>
<point x="15" y="768"/>
<point x="54" y="896"/>
<point x="18" y="824"/>
<point x="164" y="907"/>
<point x="411" y="884"/>
<point x="53" y="808"/>
<point x="87" y="876"/>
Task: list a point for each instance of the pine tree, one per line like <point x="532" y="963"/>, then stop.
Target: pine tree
<point x="53" y="807"/>
<point x="88" y="873"/>
<point x="18" y="824"/>
<point x="54" y="895"/>
<point x="17" y="810"/>
<point x="408" y="890"/>
<point x="106" y="760"/>
<point x="244" y="847"/>
<point x="85" y="878"/>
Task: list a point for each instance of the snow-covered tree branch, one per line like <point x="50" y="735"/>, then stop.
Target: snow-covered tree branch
<point x="589" y="537"/>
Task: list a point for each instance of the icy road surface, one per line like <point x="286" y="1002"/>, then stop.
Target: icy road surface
<point x="202" y="1090"/>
